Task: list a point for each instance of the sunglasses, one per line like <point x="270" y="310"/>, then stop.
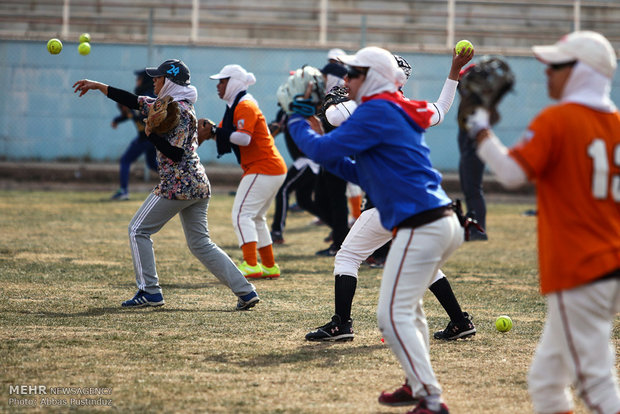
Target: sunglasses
<point x="560" y="66"/>
<point x="355" y="72"/>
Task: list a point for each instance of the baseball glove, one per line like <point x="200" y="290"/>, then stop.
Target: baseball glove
<point x="489" y="80"/>
<point x="206" y="130"/>
<point x="164" y="115"/>
<point x="336" y="95"/>
<point x="302" y="92"/>
<point x="484" y="84"/>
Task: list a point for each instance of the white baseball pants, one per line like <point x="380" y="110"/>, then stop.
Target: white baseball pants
<point x="411" y="265"/>
<point x="365" y="236"/>
<point x="252" y="201"/>
<point x="576" y="349"/>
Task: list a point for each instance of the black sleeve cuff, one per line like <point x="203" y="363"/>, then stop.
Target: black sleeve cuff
<point x="123" y="97"/>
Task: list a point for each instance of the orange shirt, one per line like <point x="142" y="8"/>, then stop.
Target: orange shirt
<point x="261" y="156"/>
<point x="572" y="153"/>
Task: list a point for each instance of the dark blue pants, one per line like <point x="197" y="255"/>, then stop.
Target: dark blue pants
<point x="136" y="148"/>
<point x="303" y="183"/>
<point x="471" y="169"/>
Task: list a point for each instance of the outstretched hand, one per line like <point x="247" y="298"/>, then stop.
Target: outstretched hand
<point x="86" y="85"/>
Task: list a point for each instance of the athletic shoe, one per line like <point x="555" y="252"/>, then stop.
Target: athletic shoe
<point x="144" y="299"/>
<point x="401" y="396"/>
<point x="375" y="262"/>
<point x="421" y="408"/>
<point x="276" y="237"/>
<point x="329" y="252"/>
<point x="120" y="195"/>
<point x="476" y="235"/>
<point x="251" y="271"/>
<point x="248" y="301"/>
<point x="334" y="330"/>
<point x="454" y="331"/>
<point x="272" y="272"/>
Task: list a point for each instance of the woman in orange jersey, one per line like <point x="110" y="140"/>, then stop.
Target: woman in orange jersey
<point x="244" y="131"/>
<point x="572" y="151"/>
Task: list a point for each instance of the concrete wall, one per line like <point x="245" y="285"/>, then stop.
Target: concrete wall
<point x="42" y="119"/>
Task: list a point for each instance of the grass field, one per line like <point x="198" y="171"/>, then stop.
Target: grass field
<point x="65" y="267"/>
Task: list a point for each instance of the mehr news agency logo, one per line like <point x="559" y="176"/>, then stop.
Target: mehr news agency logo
<point x="44" y="396"/>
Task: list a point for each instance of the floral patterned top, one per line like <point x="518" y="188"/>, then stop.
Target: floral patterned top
<point x="186" y="179"/>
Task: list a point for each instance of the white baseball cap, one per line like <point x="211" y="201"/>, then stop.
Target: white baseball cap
<point x="377" y="59"/>
<point x="335" y="53"/>
<point x="231" y="71"/>
<point x="590" y="48"/>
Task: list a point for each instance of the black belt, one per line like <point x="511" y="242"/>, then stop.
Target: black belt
<point x="426" y="217"/>
<point x="615" y="274"/>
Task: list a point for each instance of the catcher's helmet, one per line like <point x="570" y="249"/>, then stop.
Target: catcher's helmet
<point x="404" y="65"/>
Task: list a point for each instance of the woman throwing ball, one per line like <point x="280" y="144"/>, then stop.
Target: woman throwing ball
<point x="184" y="188"/>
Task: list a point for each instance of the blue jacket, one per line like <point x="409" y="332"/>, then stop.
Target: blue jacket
<point x="392" y="162"/>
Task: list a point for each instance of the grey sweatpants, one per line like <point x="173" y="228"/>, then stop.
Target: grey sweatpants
<point x="151" y="217"/>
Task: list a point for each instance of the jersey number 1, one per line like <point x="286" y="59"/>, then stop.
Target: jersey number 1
<point x="597" y="150"/>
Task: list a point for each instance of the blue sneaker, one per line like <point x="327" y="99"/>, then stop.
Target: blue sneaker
<point x="120" y="195"/>
<point x="144" y="299"/>
<point x="247" y="301"/>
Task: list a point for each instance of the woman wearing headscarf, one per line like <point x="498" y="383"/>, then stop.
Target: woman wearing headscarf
<point x="392" y="164"/>
<point x="244" y="131"/>
<point x="183" y="189"/>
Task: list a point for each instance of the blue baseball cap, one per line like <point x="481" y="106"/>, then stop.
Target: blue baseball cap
<point x="173" y="69"/>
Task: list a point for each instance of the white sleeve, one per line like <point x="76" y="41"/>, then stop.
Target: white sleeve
<point x="240" y="138"/>
<point x="337" y="114"/>
<point x="508" y="172"/>
<point x="444" y="102"/>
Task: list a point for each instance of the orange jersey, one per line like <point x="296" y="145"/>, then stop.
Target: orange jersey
<point x="261" y="156"/>
<point x="572" y="153"/>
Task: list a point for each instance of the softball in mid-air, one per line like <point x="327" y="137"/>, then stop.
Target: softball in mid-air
<point x="463" y="45"/>
<point x="54" y="46"/>
<point x="84" y="48"/>
<point x="84" y="37"/>
<point x="503" y="323"/>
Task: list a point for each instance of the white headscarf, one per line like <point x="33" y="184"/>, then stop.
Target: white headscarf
<point x="376" y="83"/>
<point x="588" y="87"/>
<point x="239" y="81"/>
<point x="178" y="92"/>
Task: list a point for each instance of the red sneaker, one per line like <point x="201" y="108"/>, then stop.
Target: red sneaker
<point x="401" y="396"/>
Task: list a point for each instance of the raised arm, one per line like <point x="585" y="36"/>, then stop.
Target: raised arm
<point x="448" y="92"/>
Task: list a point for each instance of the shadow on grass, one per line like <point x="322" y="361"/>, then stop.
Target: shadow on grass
<point x="192" y="286"/>
<point x="106" y="311"/>
<point x="328" y="353"/>
<point x="164" y="286"/>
